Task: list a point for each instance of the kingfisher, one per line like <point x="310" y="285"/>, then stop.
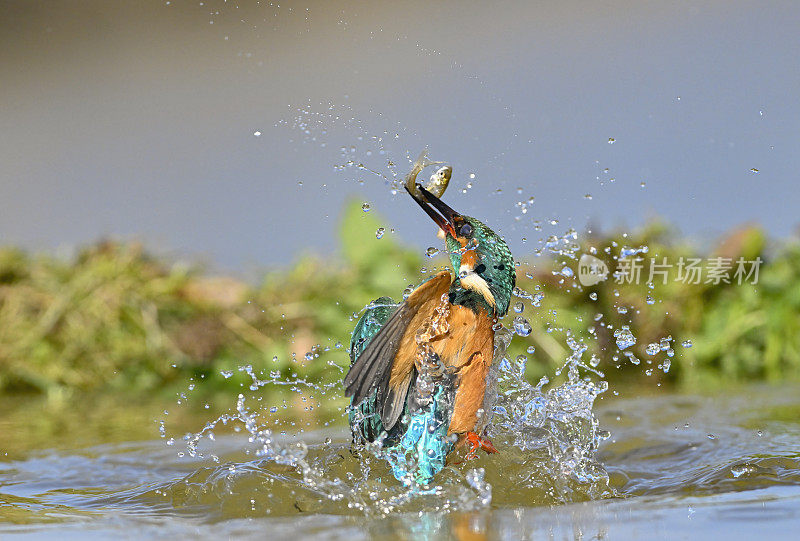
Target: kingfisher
<point x="418" y="371"/>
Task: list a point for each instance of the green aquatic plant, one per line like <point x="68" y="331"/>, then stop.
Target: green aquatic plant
<point x="114" y="318"/>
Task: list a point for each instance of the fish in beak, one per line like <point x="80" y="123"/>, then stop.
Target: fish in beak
<point x="444" y="216"/>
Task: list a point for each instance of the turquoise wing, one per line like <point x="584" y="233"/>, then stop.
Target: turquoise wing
<point x="370" y="323"/>
<point x="417" y="446"/>
<point x="422" y="450"/>
<point x="365" y="419"/>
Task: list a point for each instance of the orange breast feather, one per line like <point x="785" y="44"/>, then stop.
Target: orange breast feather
<point x="467" y="347"/>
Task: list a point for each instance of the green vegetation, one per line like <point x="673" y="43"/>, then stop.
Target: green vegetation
<point x="118" y="319"/>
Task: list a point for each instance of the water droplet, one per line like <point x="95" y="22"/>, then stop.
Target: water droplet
<point x="257" y="133"/>
<point x="649" y="300"/>
<point x="365" y="207"/>
<point x="587" y="196"/>
<point x="472" y="176"/>
<point x="531" y="350"/>
<point x="431" y="252"/>
<point x="521" y="326"/>
<point x="611" y="140"/>
<point x="686" y="343"/>
<point x="711" y="437"/>
<point x="226" y="373"/>
<point x="624" y="337"/>
<point x="652" y="349"/>
<point x="740" y="469"/>
<point x="627" y="251"/>
<point x="519" y="307"/>
<point x="642" y="184"/>
<point x="593" y="296"/>
<point x="379" y="233"/>
<point x="754" y="170"/>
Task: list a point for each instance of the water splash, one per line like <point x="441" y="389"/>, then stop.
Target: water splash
<point x="547" y="436"/>
<point x="553" y="432"/>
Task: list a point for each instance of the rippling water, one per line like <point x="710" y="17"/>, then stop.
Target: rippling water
<point x="677" y="465"/>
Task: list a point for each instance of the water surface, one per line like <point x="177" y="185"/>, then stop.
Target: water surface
<point x="679" y="466"/>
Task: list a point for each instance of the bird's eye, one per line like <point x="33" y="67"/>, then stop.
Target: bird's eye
<point x="465" y="230"/>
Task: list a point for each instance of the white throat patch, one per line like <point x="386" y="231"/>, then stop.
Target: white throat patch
<point x="474" y="281"/>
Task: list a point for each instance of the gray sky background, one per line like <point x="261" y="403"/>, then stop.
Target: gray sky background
<point x="137" y="119"/>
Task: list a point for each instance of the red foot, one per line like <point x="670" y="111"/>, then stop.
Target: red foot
<point x="476" y="442"/>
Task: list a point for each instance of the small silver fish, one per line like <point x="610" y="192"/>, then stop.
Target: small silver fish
<point x="438" y="181"/>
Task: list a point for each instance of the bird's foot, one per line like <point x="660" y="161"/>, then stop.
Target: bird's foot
<point x="476" y="443"/>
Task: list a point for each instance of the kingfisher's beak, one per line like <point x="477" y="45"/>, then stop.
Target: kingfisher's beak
<point x="444" y="216"/>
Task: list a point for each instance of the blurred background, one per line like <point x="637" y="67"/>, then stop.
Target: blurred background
<point x="181" y="190"/>
<point x="137" y="120"/>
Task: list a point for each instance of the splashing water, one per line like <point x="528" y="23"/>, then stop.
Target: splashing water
<point x="550" y="435"/>
<point x="547" y="439"/>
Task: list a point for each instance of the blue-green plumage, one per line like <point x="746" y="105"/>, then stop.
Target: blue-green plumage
<point x="365" y="418"/>
<point x="417" y="445"/>
<point x="422" y="450"/>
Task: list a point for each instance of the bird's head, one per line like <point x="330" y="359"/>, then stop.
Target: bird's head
<point x="481" y="259"/>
